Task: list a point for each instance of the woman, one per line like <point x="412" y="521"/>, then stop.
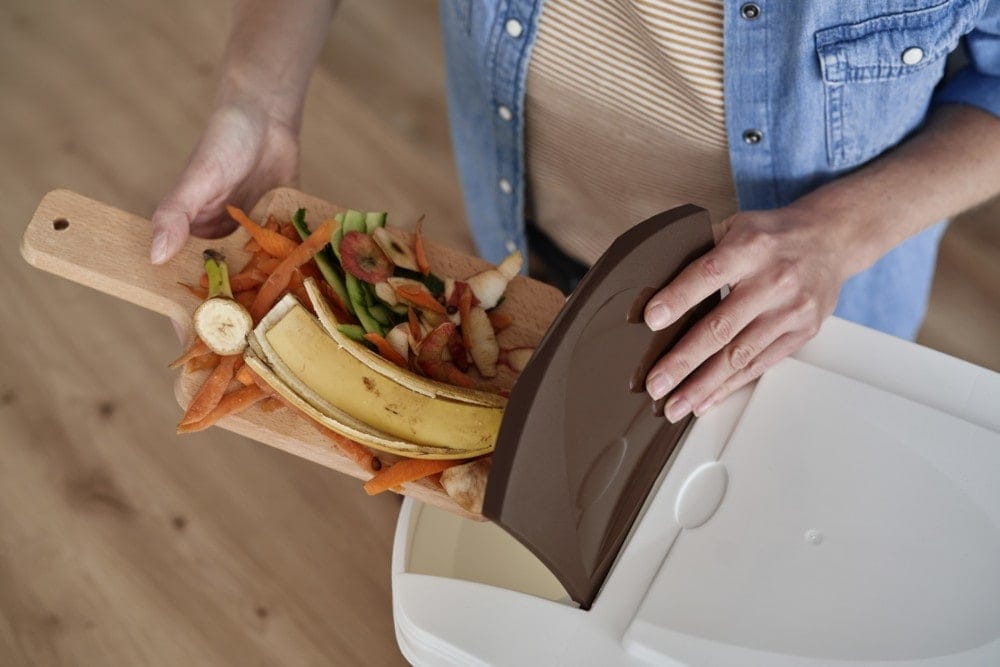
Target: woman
<point x="819" y="132"/>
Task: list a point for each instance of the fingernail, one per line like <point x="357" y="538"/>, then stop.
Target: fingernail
<point x="659" y="385"/>
<point x="158" y="251"/>
<point x="677" y="408"/>
<point x="658" y="317"/>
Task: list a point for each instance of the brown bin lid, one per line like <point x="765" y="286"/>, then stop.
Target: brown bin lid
<point x="581" y="443"/>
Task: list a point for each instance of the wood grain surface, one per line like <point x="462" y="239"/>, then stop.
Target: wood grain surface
<point x="123" y="545"/>
<point x="105" y="248"/>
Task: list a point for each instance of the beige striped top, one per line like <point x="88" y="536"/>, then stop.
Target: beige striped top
<point x="624" y="117"/>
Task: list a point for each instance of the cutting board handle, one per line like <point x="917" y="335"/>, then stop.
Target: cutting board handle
<point x="105" y="248"/>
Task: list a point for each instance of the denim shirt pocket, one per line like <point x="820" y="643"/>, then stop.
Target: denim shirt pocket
<point x="879" y="75"/>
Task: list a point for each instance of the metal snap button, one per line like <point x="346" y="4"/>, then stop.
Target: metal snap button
<point x="753" y="136"/>
<point x="514" y="28"/>
<point x="505" y="186"/>
<point x="913" y="55"/>
<point x="504" y="112"/>
<point x="510" y="245"/>
<point x="750" y="11"/>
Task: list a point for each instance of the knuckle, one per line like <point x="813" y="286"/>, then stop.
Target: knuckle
<point x="787" y="276"/>
<point x="812" y="329"/>
<point x="740" y="356"/>
<point x="756" y="369"/>
<point x="709" y="269"/>
<point x="722" y="328"/>
<point x="681" y="367"/>
<point x="806" y="309"/>
<point x="759" y="241"/>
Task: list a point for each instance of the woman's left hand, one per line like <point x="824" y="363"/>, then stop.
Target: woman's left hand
<point x="785" y="268"/>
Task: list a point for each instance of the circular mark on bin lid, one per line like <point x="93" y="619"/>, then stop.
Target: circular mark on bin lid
<point x="701" y="494"/>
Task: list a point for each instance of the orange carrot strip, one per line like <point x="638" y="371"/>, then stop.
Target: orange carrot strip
<point x="251" y="246"/>
<point x="352" y="450"/>
<point x="270" y="241"/>
<point x="246" y="297"/>
<point x="385" y="349"/>
<point x="268" y="265"/>
<point x="276" y="283"/>
<point x="416" y="295"/>
<point x="244" y="376"/>
<point x="202" y="363"/>
<point x="211" y="391"/>
<point x="196" y="349"/>
<point x="272" y="224"/>
<point x="288" y="231"/>
<point x="270" y="404"/>
<point x="500" y="321"/>
<point x="418" y="249"/>
<point x="415" y="329"/>
<point x="464" y="308"/>
<point x="407" y="470"/>
<point x="200" y="292"/>
<point x="231" y="403"/>
<point x="240" y="281"/>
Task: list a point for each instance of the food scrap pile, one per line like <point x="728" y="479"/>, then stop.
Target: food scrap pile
<point x="348" y="325"/>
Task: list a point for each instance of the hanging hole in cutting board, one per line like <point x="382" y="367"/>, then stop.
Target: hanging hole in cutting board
<point x="60" y="224"/>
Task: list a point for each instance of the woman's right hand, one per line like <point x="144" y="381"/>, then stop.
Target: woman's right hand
<point x="243" y="153"/>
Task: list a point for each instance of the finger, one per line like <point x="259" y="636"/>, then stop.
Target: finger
<point x="721" y="228"/>
<point x="784" y="346"/>
<point x="731" y="359"/>
<point x="172" y="219"/>
<point x="170" y="232"/>
<point x="699" y="279"/>
<point x="710" y="334"/>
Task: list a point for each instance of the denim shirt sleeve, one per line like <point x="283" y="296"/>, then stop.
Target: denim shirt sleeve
<point x="978" y="83"/>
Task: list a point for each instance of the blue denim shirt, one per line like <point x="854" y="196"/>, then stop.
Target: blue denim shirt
<point x="813" y="89"/>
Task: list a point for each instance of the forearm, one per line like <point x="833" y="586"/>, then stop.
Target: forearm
<point x="270" y="54"/>
<point x="950" y="165"/>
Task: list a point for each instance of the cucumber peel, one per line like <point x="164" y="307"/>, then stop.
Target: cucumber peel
<point x="324" y="260"/>
<point x="357" y="293"/>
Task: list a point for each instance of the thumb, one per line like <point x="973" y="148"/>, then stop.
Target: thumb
<point x="171" y="225"/>
<point x="173" y="217"/>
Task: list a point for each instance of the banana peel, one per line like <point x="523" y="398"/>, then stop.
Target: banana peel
<point x="381" y="365"/>
<point x="342" y="385"/>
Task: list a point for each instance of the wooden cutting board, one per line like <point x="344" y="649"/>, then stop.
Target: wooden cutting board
<point x="105" y="248"/>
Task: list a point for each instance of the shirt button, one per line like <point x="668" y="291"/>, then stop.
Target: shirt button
<point x="913" y="55"/>
<point x="504" y="112"/>
<point x="514" y="28"/>
<point x="505" y="186"/>
<point x="510" y="245"/>
<point x="750" y="11"/>
<point x="752" y="137"/>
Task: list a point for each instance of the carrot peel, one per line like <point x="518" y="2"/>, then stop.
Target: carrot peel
<point x="279" y="279"/>
<point x="212" y="390"/>
<point x="407" y="470"/>
<point x="385" y="349"/>
<point x="231" y="403"/>
<point x="272" y="242"/>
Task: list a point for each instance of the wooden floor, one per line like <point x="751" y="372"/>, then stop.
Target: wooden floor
<point x="121" y="543"/>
